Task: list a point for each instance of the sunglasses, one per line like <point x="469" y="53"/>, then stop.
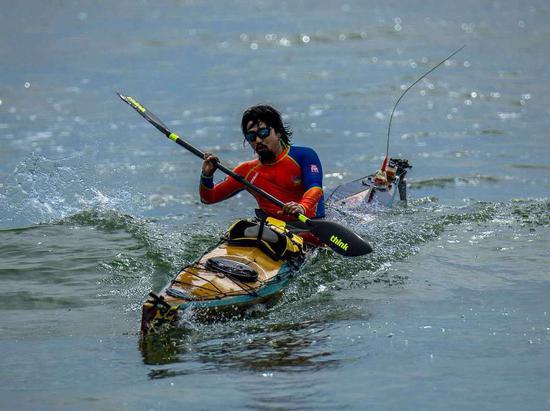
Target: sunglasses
<point x="261" y="132"/>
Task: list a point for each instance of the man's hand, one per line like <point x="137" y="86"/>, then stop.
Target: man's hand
<point x="293" y="208"/>
<point x="209" y="165"/>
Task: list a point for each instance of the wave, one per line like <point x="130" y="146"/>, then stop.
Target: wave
<point x="442" y="182"/>
<point x="163" y="249"/>
<point x="398" y="234"/>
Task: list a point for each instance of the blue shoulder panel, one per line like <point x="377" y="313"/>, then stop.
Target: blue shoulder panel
<point x="312" y="171"/>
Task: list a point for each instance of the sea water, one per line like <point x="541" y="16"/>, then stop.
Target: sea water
<point x="97" y="208"/>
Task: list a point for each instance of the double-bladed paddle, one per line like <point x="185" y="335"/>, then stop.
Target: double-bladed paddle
<point x="341" y="239"/>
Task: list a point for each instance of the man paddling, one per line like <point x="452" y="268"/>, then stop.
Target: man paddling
<point x="338" y="237"/>
<point x="292" y="174"/>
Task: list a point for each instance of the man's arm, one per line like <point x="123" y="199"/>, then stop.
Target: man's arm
<point x="312" y="179"/>
<point x="225" y="189"/>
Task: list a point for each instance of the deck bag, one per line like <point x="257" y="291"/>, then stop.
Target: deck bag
<point x="270" y="235"/>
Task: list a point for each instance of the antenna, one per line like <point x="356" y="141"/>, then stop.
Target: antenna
<point x="403" y="95"/>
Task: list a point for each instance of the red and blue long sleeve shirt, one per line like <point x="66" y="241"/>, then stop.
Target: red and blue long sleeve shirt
<point x="296" y="175"/>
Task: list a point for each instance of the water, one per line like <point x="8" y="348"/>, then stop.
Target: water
<point x="98" y="208"/>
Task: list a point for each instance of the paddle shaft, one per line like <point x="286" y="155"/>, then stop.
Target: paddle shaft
<point x="160" y="126"/>
<point x="221" y="167"/>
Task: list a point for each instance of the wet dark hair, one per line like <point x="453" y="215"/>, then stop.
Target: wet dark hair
<point x="271" y="117"/>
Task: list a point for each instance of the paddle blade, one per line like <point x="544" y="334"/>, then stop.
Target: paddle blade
<point x="341" y="239"/>
<point x="150" y="117"/>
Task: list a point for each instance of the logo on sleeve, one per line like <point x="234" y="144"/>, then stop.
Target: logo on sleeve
<point x="314" y="168"/>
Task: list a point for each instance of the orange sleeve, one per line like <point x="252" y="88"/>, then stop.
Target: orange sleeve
<point x="211" y="193"/>
<point x="310" y="200"/>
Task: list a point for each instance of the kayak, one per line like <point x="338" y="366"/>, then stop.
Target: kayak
<point x="379" y="189"/>
<point x="255" y="260"/>
<point x="250" y="265"/>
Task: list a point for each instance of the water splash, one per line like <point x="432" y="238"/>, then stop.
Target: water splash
<point x="42" y="190"/>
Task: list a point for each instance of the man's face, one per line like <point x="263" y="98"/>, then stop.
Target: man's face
<point x="267" y="148"/>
